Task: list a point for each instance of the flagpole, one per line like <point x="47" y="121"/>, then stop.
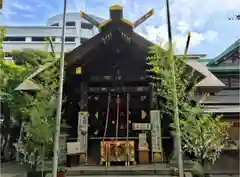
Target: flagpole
<point x="60" y="95"/>
<point x="175" y="99"/>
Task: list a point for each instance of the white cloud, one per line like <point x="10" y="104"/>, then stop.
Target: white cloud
<point x="182" y="27"/>
<point x="211" y="35"/>
<point x="21" y="6"/>
<point x="10" y="7"/>
<point x="132" y="9"/>
<point x="160" y="35"/>
<point x="28" y="15"/>
<point x="196" y="13"/>
<point x="7" y="11"/>
<point x="187" y="15"/>
<point x="194" y="16"/>
<point x="44" y="5"/>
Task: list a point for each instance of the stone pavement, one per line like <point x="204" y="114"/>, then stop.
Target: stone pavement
<point x="123" y="176"/>
<point x="12" y="169"/>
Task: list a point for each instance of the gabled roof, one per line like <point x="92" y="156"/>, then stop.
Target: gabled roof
<point x="220" y="109"/>
<point x="194" y="56"/>
<point x="115" y="26"/>
<point x="210" y="80"/>
<point x="220" y="57"/>
<point x="204" y="60"/>
<point x="78" y="53"/>
<point x="27" y="85"/>
<point x="228" y="69"/>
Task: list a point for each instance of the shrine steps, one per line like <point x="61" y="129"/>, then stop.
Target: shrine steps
<point x="138" y="170"/>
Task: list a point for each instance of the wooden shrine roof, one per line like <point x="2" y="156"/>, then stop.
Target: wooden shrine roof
<point x="81" y="51"/>
<point x="118" y="25"/>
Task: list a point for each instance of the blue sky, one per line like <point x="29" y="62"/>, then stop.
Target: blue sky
<point x="211" y="29"/>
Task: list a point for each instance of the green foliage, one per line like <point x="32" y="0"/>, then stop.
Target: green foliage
<point x="37" y="106"/>
<point x="2" y="35"/>
<point x="202" y="135"/>
<point x="62" y="170"/>
<point x="162" y="79"/>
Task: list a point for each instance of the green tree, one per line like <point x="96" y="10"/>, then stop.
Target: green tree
<point x="203" y="135"/>
<point x="204" y="142"/>
<point x="38" y="106"/>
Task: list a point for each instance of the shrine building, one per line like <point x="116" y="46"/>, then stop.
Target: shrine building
<point x="108" y="96"/>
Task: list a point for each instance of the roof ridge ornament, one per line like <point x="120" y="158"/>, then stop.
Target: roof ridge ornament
<point x="116" y="14"/>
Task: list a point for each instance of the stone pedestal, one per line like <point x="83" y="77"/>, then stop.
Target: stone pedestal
<point x="62" y="159"/>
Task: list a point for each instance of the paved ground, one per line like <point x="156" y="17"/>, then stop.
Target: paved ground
<point x="12" y="169"/>
<point x="120" y="176"/>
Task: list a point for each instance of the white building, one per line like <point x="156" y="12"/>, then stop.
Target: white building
<point x="19" y="37"/>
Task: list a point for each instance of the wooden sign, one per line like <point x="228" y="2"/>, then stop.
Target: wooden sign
<point x="83" y="130"/>
<point x="156" y="142"/>
<point x="73" y="148"/>
<point x="142" y="145"/>
<point x="141" y="126"/>
<point x="155" y="118"/>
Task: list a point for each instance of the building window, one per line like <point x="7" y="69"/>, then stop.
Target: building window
<point x="14" y="38"/>
<point x="41" y="39"/>
<point x="55" y="24"/>
<point x="86" y="26"/>
<point x="53" y="38"/>
<point x="70" y="23"/>
<point x="235" y="83"/>
<point x="236" y="61"/>
<point x="7" y="54"/>
<point x="38" y="39"/>
<point x="83" y="39"/>
<point x="69" y="39"/>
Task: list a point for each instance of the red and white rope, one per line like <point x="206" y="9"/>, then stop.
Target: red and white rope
<point x="107" y="116"/>
<point x="117" y="121"/>
<point x="117" y="124"/>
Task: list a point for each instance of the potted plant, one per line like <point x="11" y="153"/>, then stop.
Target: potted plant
<point x="61" y="172"/>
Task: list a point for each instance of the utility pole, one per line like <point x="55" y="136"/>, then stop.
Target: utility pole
<point x="175" y="99"/>
<point x="60" y="95"/>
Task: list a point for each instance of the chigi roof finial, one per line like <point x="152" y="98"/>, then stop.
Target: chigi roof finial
<point x="116" y="15"/>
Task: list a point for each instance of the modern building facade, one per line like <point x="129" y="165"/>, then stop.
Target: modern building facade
<point x="78" y="31"/>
